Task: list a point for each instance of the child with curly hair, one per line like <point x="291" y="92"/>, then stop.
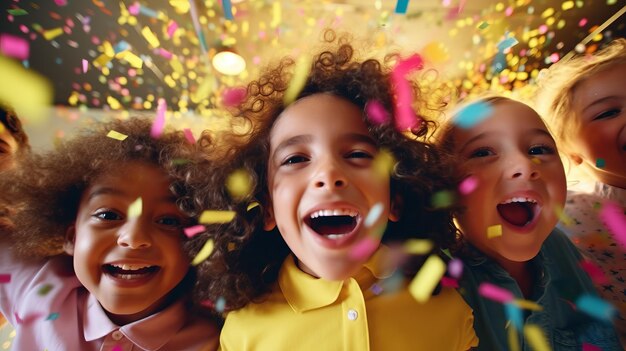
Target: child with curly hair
<point x="509" y="247"/>
<point x="584" y="102"/>
<point x="301" y="266"/>
<point x="92" y="245"/>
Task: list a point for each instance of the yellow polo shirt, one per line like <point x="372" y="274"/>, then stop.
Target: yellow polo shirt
<point x="307" y="313"/>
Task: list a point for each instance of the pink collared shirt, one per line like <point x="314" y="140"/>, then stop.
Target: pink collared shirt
<point x="51" y="310"/>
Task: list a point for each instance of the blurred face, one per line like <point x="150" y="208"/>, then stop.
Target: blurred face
<point x="323" y="183"/>
<point x="520" y="182"/>
<point x="130" y="263"/>
<point x="600" y="104"/>
<point x="8" y="148"/>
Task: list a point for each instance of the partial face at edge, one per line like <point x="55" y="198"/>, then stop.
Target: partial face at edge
<point x="8" y="148"/>
<point x="521" y="182"/>
<point x="130" y="264"/>
<point x="599" y="102"/>
<point x="323" y="183"/>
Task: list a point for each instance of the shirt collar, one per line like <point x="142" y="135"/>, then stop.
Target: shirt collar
<point x="304" y="292"/>
<point x="150" y="333"/>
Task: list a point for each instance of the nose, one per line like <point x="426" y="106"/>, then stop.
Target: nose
<point x="329" y="176"/>
<point x="524" y="166"/>
<point x="134" y="235"/>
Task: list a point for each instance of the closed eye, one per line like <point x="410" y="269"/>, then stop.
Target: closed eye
<point x="107" y="215"/>
<point x="359" y="154"/>
<point x="541" y="150"/>
<point x="607" y="114"/>
<point x="481" y="152"/>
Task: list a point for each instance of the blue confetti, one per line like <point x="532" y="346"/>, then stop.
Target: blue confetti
<point x="401" y="6"/>
<point x="514" y="314"/>
<point x="507" y="43"/>
<point x="472" y="114"/>
<point x="595" y="307"/>
<point x="52" y="316"/>
<point x="228" y="11"/>
<point x="220" y="304"/>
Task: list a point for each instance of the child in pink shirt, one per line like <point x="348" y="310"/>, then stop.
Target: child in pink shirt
<point x="92" y="255"/>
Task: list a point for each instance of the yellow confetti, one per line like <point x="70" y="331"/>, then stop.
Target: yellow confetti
<point x="208" y="217"/>
<point x="29" y="93"/>
<point x="231" y="246"/>
<point x="512" y="337"/>
<point x="536" y="338"/>
<point x="134" y="210"/>
<point x="427" y="278"/>
<point x="494" y="231"/>
<point x="383" y="163"/>
<point x="113" y="103"/>
<point x="102" y="60"/>
<point x="238" y="184"/>
<point x="276" y="14"/>
<point x="527" y="305"/>
<point x="116" y="135"/>
<point x="567" y="5"/>
<point x="418" y="246"/>
<point x="204" y="253"/>
<point x="150" y="37"/>
<point x="563" y="217"/>
<point x="436" y="52"/>
<point x="303" y="67"/>
<point x="131" y="58"/>
<point x="535" y="161"/>
<point x="52" y="33"/>
<point x="252" y="205"/>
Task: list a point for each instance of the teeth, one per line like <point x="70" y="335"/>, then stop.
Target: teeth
<point x="130" y="267"/>
<point x="336" y="212"/>
<point x="335" y="236"/>
<point x="519" y="199"/>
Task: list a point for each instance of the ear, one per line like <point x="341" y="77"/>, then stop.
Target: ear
<point x="396" y="208"/>
<point x="269" y="222"/>
<point x="575" y="158"/>
<point x="70" y="237"/>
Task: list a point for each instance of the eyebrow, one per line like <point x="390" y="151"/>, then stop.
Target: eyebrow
<point x="599" y="101"/>
<point x="103" y="190"/>
<point x="307" y="138"/>
<point x="538" y="131"/>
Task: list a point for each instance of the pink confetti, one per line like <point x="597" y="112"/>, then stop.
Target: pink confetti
<point x="594" y="272"/>
<point x="5" y="278"/>
<point x="508" y="12"/>
<point x="376" y="112"/>
<point x="117" y="348"/>
<point x="455" y="268"/>
<point x="168" y="55"/>
<point x="405" y="116"/>
<point x="468" y="185"/>
<point x="189" y="136"/>
<point x="496" y="293"/>
<point x="612" y="215"/>
<point x="196" y="229"/>
<point x="13" y="46"/>
<point x="543" y="29"/>
<point x="582" y="22"/>
<point x="60" y="2"/>
<point x="28" y="319"/>
<point x="233" y="96"/>
<point x="85" y="65"/>
<point x="159" y="121"/>
<point x="171" y="28"/>
<point x="554" y="58"/>
<point x="364" y="249"/>
<point x="449" y="282"/>
<point x="590" y="347"/>
<point x="134" y="9"/>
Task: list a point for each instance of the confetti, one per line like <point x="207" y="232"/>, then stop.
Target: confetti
<point x="159" y="122"/>
<point x="418" y="246"/>
<point x="512" y="339"/>
<point x="44" y="290"/>
<point x="595" y="307"/>
<point x="494" y="231"/>
<point x="383" y="163"/>
<point x="204" y="253"/>
<point x="363" y="249"/>
<point x="600" y="163"/>
<point x="468" y="185"/>
<point x="303" y="67"/>
<point x="135" y="208"/>
<point x="209" y="217"/>
<point x="405" y="116"/>
<point x="449" y="282"/>
<point x="220" y="304"/>
<point x="117" y="348"/>
<point x="527" y="305"/>
<point x="514" y="315"/>
<point x="376" y="112"/>
<point x="507" y="43"/>
<point x="26" y="91"/>
<point x="455" y="268"/>
<point x="401" y="6"/>
<point x="563" y="217"/>
<point x="472" y="114"/>
<point x="374" y="214"/>
<point x="233" y="96"/>
<point x="5" y="278"/>
<point x="13" y="46"/>
<point x="17" y="12"/>
<point x="252" y="205"/>
<point x="116" y="135"/>
<point x="594" y="272"/>
<point x="536" y="338"/>
<point x="612" y="216"/>
<point x="52" y="33"/>
<point x="494" y="292"/>
<point x="239" y="184"/>
<point x="194" y="230"/>
<point x="442" y="199"/>
<point x="228" y="10"/>
<point x="425" y="281"/>
<point x="590" y="347"/>
<point x="52" y="316"/>
<point x="85" y="65"/>
<point x="189" y="136"/>
<point x="150" y="37"/>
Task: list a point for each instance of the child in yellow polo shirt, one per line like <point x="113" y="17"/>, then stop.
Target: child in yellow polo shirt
<point x="301" y="266"/>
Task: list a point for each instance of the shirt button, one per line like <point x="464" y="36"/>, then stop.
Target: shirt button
<point x="117" y="335"/>
<point x="352" y="314"/>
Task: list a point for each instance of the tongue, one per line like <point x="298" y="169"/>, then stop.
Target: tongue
<point x="333" y="225"/>
<point x="516" y="213"/>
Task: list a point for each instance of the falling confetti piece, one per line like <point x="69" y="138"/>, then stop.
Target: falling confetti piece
<point x="204" y="253"/>
<point x="252" y="205"/>
<point x="383" y="163"/>
<point x="208" y="217"/>
<point x="13" y="46"/>
<point x="507" y="43"/>
<point x="600" y="163"/>
<point x="594" y="272"/>
<point x="52" y="33"/>
<point x="455" y="268"/>
<point x="590" y="347"/>
<point x="527" y="305"/>
<point x="44" y="290"/>
<point x="27" y="319"/>
<point x="364" y="248"/>
<point x="159" y="121"/>
<point x="494" y="292"/>
<point x="449" y="282"/>
<point x="117" y="348"/>
<point x="536" y="338"/>
<point x="171" y="28"/>
<point x="134" y="60"/>
<point x="418" y="246"/>
<point x="376" y="112"/>
<point x="116" y="135"/>
<point x="228" y="10"/>
<point x="426" y="279"/>
<point x="494" y="231"/>
<point x="595" y="307"/>
<point x="513" y="339"/>
<point x="220" y="304"/>
<point x="514" y="314"/>
<point x="563" y="217"/>
<point x="194" y="230"/>
<point x="17" y="12"/>
<point x="5" y="278"/>
<point x="28" y="92"/>
<point x="436" y="52"/>
<point x="468" y="185"/>
<point x="483" y="25"/>
<point x="233" y="96"/>
<point x="85" y="65"/>
<point x="189" y="136"/>
<point x="303" y="67"/>
<point x="401" y="6"/>
<point x="472" y="114"/>
<point x="52" y="316"/>
<point x="612" y="215"/>
<point x="374" y="214"/>
<point x="442" y="199"/>
<point x="150" y="37"/>
<point x="405" y="116"/>
<point x="239" y="184"/>
<point x="135" y="208"/>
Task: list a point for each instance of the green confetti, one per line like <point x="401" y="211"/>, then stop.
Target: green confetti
<point x="17" y="12"/>
<point x="600" y="163"/>
<point x="442" y="199"/>
<point x="45" y="289"/>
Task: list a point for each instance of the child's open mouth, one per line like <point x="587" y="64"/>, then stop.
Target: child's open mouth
<point x="333" y="224"/>
<point x="130" y="272"/>
<point x="519" y="211"/>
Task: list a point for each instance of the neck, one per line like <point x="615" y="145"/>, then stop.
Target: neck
<point x="521" y="273"/>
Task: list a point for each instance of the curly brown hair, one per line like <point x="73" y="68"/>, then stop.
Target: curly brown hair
<point x="246" y="260"/>
<point x="42" y="194"/>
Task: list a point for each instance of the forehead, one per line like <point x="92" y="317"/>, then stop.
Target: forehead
<point x="132" y="175"/>
<point x="319" y="113"/>
<point x="609" y="80"/>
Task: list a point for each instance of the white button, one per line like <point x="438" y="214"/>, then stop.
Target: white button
<point x="352" y="314"/>
<point x="116" y="335"/>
